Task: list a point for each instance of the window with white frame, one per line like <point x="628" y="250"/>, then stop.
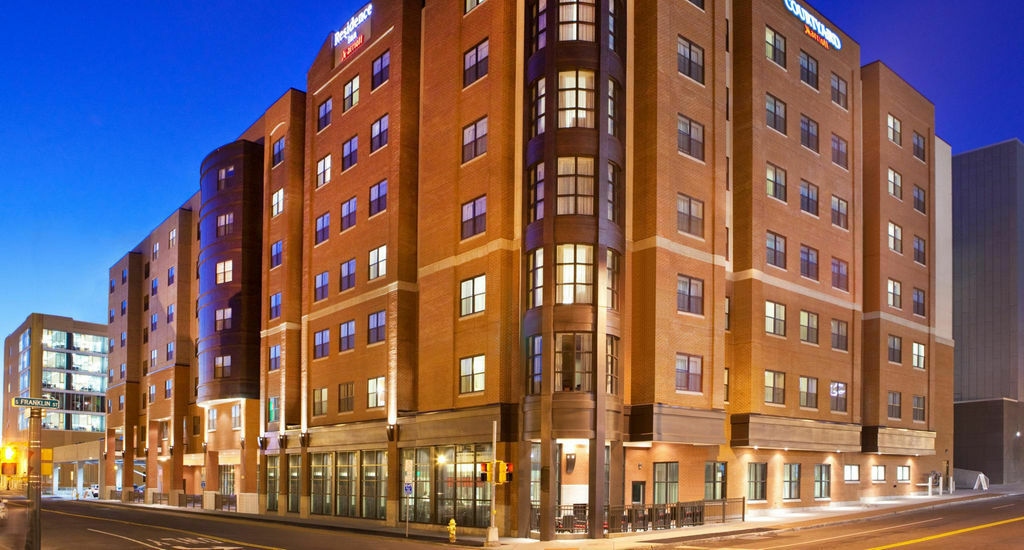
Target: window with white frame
<point x="277" y="202"/>
<point x="878" y="473"/>
<point x="323" y="171"/>
<point x="471" y="374"/>
<point x="902" y="474"/>
<point x="472" y="295"/>
<point x="375" y="392"/>
<point x="378" y="262"/>
<point x="225" y="271"/>
<point x="851" y="472"/>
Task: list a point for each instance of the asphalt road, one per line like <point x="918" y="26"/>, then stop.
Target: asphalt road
<point x="988" y="524"/>
<point x="69" y="525"/>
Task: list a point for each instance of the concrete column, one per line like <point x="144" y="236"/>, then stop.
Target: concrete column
<point x="305" y="485"/>
<point x="395" y="477"/>
<point x="616" y="488"/>
<point x="79" y="478"/>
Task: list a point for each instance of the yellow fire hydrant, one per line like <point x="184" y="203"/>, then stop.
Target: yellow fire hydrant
<point x="451" y="530"/>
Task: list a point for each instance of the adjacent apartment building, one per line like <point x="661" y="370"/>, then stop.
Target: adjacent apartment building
<point x="988" y="191"/>
<point x="670" y="251"/>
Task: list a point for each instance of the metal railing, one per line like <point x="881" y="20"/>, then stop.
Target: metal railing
<point x="228" y="503"/>
<point x="137" y="496"/>
<point x="729" y="509"/>
<point x="192" y="501"/>
<point x="574" y="518"/>
<point x="115" y="494"/>
<point x="571" y="518"/>
<point x="160" y="498"/>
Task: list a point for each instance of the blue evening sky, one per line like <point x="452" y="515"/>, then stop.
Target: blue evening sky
<point x="107" y="109"/>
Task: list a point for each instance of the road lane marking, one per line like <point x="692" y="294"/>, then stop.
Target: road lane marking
<point x="125" y="522"/>
<point x="949" y="533"/>
<point x="802" y="543"/>
<point x="125" y="538"/>
<point x="1004" y="506"/>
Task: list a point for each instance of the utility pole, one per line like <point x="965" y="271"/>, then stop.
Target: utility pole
<point x="492" y="530"/>
<point x="32" y="542"/>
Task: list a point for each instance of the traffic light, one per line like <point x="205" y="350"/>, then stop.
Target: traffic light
<point x="10" y="461"/>
<point x="486" y="473"/>
<point x="9" y="454"/>
<point x="504" y="472"/>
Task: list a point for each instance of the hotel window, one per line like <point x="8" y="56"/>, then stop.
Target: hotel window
<point x="666" y="482"/>
<point x="775" y="250"/>
<point x="698" y="3"/>
<point x="611" y="376"/>
<point x="321" y="343"/>
<point x="124" y="307"/>
<point x="536" y="278"/>
<point x="348" y="275"/>
<point x="111" y="317"/>
<point x="808" y="70"/>
<point x="791" y="481"/>
<point x="576" y="104"/>
<point x="275" y="254"/>
<point x="809" y="392"/>
<point x="839" y="153"/>
<point x="878" y="473"/>
<point x="714" y="478"/>
<point x="474" y="140"/>
<point x="895" y="349"/>
<point x="895" y="238"/>
<point x="839" y="213"/>
<point x="774" y="318"/>
<point x="222" y="181"/>
<point x="534" y="364"/>
<point x="690" y="138"/>
<point x="538" y="25"/>
<point x="690" y="215"/>
<point x="840" y="330"/>
<point x="320" y="286"/>
<point x="919" y="146"/>
<point x="837" y="396"/>
<point x="840" y="275"/>
<point x="576" y="20"/>
<point x="168" y="386"/>
<point x="690" y="59"/>
<point x="614" y="267"/>
<point x="839" y="91"/>
<point x="809" y="327"/>
<point x="757" y="481"/>
<point x="919" y="408"/>
<point x="808" y="133"/>
<point x="470" y="4"/>
<point x="275" y="357"/>
<point x="347" y="335"/>
<point x="152" y="322"/>
<point x="278" y="152"/>
<point x="918" y="299"/>
<point x="575" y="193"/>
<point x="536" y="191"/>
<point x="903" y="474"/>
<point x="277" y="202"/>
<point x="574" y="270"/>
<point x="152" y="358"/>
<point x="323" y="171"/>
<point x="222" y="319"/>
<point x="170" y="276"/>
<point x="614" y="198"/>
<point x="920" y="203"/>
<point x="323" y="228"/>
<point x="349" y="153"/>
<point x="808" y="197"/>
<point x="725" y="382"/>
<point x="323" y="119"/>
<point x="472" y="295"/>
<point x="474" y="217"/>
<point x="124" y="338"/>
<point x="346" y="397"/>
<point x="275" y="305"/>
<point x="728" y="312"/>
<point x="319" y="401"/>
<point x="124" y="275"/>
<point x="809" y="262"/>
<point x="895" y="130"/>
<point x="170" y="314"/>
<point x="381" y="70"/>
<point x="775" y="113"/>
<point x="170" y="351"/>
<point x="538" y="107"/>
<point x="376" y="330"/>
<point x="225" y="271"/>
<point x="152" y="393"/>
<point x="689" y="372"/>
<point x="895" y="294"/>
<point x="348" y="213"/>
<point x="775" y="182"/>
<point x="379" y="133"/>
<point x="378" y="262"/>
<point x="774" y="387"/>
<point x="822" y="481"/>
<point x="375" y="392"/>
<point x="895" y="184"/>
<point x="471" y="374"/>
<point x="474" y="63"/>
<point x="775" y="46"/>
<point x="172" y="238"/>
<point x="112" y="284"/>
<point x="918" y="355"/>
<point x="690" y="295"/>
<point x="895" y="408"/>
<point x="574" y="361"/>
<point x="851" y="472"/>
<point x="614" y="108"/>
<point x="120" y="402"/>
<point x="351" y="93"/>
<point x="222" y="366"/>
<point x="154" y="285"/>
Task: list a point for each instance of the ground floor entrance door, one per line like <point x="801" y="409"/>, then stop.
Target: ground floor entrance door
<point x="639" y="490"/>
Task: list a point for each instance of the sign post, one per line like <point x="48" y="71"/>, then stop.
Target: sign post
<point x="492" y="529"/>
<point x="407" y="489"/>
<point x="35" y="462"/>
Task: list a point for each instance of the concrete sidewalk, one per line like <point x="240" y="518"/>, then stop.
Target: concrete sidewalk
<point x="760" y="521"/>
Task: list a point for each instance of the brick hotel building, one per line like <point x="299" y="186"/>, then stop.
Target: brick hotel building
<point x="676" y="250"/>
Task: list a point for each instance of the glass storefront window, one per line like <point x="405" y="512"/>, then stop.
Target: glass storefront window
<point x="54" y="360"/>
<point x="56" y="339"/>
<point x="89" y="342"/>
<point x="89" y="363"/>
<point x="345" y="473"/>
<point x="374" y="470"/>
<point x="85" y="382"/>
<point x="294" y="481"/>
<point x="54" y="380"/>
<point x="320" y="483"/>
<point x="273" y="481"/>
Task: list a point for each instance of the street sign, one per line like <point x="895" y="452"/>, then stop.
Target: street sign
<point x="35" y="402"/>
<point x="407" y="488"/>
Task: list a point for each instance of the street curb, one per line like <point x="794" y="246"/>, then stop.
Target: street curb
<point x="714" y="538"/>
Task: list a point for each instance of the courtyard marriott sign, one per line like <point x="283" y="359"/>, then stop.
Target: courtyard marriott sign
<point x="812" y="26"/>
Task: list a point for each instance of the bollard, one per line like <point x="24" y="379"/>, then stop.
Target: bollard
<point x="451" y="530"/>
<point x="941" y="481"/>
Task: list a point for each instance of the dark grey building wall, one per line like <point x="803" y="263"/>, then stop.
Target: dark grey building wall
<point x="987" y="279"/>
<point x="986" y="438"/>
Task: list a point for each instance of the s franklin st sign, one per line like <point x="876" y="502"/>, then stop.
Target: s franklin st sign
<point x="35" y="402"/>
<point x="813" y="27"/>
